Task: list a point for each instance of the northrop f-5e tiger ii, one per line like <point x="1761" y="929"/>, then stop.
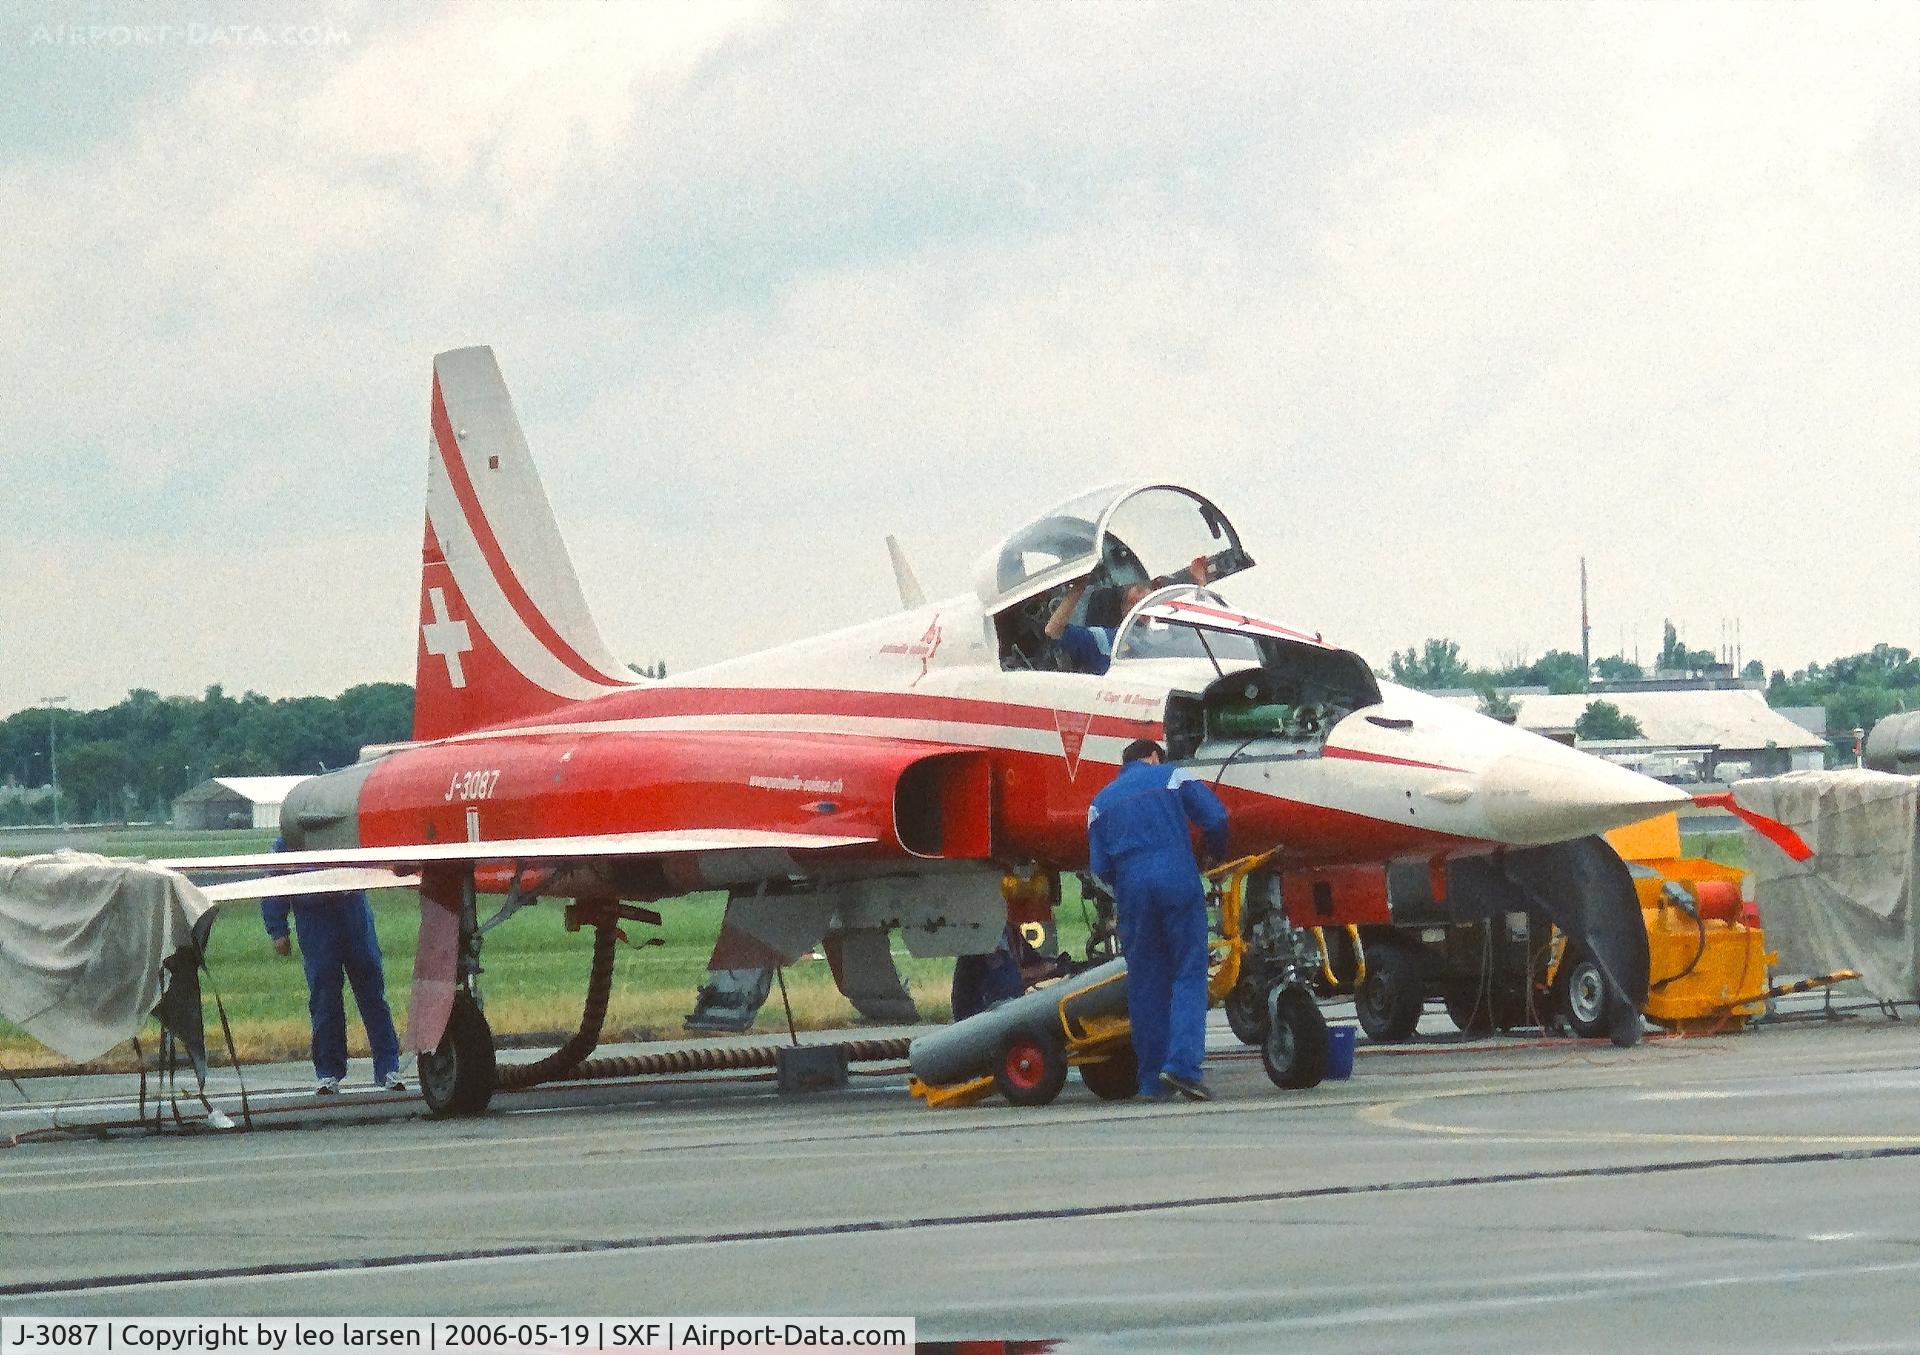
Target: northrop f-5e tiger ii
<point x="928" y="772"/>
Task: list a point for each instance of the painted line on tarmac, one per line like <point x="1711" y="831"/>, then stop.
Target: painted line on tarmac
<point x="685" y="1137"/>
<point x="1620" y="1286"/>
<point x="585" y="1247"/>
<point x="1392" y="1115"/>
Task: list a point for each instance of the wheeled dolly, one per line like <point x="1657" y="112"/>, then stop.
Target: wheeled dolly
<point x="1023" y="1049"/>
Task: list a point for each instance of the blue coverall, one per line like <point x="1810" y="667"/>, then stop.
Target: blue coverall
<point x="1138" y="844"/>
<point x="337" y="941"/>
<point x="1090" y="648"/>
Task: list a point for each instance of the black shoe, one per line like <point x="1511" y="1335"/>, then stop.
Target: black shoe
<point x="1190" y="1087"/>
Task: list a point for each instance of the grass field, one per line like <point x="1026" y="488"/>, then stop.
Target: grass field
<point x="535" y="971"/>
<point x="1729" y="848"/>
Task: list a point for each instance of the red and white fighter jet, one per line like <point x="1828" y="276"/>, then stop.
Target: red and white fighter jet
<point x="928" y="772"/>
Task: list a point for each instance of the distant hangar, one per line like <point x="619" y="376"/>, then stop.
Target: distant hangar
<point x="233" y="802"/>
<point x="1689" y="735"/>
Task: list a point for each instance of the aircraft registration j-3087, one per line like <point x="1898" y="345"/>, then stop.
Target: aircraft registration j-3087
<point x="928" y="772"/>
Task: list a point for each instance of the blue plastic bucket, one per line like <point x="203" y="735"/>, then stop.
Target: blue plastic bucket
<point x="1340" y="1052"/>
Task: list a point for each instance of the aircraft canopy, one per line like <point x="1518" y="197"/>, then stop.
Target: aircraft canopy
<point x="1119" y="534"/>
<point x="1184" y="621"/>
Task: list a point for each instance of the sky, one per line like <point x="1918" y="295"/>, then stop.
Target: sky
<point x="1432" y="300"/>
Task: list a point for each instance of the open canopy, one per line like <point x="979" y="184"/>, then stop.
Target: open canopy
<point x="1184" y="621"/>
<point x="1118" y="535"/>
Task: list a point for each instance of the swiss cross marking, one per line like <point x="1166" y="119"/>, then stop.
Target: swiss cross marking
<point x="446" y="638"/>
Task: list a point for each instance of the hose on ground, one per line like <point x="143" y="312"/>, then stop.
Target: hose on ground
<point x="719" y="1057"/>
<point x="569" y="1063"/>
<point x="564" y="1060"/>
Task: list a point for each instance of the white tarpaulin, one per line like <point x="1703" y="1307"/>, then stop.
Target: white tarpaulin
<point x="1851" y="905"/>
<point x="82" y="941"/>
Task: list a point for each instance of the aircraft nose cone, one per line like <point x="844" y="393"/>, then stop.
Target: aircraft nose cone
<point x="1556" y="793"/>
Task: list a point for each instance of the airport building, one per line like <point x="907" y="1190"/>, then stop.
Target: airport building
<point x="233" y="802"/>
<point x="1687" y="735"/>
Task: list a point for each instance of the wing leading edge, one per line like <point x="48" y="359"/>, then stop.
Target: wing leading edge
<point x="411" y="857"/>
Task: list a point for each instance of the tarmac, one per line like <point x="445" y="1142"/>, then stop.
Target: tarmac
<point x="1733" y="1193"/>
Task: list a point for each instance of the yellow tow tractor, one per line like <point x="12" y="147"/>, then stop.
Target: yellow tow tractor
<point x="1023" y="1048"/>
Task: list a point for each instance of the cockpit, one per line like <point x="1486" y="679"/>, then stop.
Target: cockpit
<point x="1135" y="566"/>
<point x="1095" y="549"/>
<point x="1260" y="685"/>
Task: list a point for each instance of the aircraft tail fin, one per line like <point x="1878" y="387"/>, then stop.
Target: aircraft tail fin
<point x="912" y="595"/>
<point x="504" y="630"/>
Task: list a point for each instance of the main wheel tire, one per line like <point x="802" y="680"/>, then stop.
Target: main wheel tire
<point x="458" y="1077"/>
<point x="1514" y="1010"/>
<point x="1246" y="1008"/>
<point x="1295" y="1050"/>
<point x="1582" y="994"/>
<point x="1470" y="1006"/>
<point x="1389" y="999"/>
<point x="1113" y="1079"/>
<point x="1031" y="1069"/>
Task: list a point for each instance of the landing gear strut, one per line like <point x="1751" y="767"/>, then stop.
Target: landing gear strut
<point x="459" y="1076"/>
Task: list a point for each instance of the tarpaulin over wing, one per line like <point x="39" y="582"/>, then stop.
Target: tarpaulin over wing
<point x="83" y="942"/>
<point x="1851" y="904"/>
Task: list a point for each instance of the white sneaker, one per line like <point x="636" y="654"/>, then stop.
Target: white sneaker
<point x="329" y="1086"/>
<point x="395" y="1083"/>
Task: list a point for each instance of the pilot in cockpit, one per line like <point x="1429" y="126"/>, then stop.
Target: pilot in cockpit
<point x="1089" y="648"/>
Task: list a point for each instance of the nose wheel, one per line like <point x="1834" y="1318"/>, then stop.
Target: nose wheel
<point x="1246" y="1007"/>
<point x="1295" y="1050"/>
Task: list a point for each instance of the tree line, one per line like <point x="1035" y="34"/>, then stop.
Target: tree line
<point x="128" y="761"/>
<point x="1437" y="664"/>
<point x="1855" y="691"/>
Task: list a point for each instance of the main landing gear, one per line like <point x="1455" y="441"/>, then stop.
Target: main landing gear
<point x="458" y="1077"/>
<point x="461" y="1074"/>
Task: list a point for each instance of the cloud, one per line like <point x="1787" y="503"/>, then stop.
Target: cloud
<point x="1415" y="292"/>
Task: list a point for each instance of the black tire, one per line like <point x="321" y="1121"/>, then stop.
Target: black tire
<point x="1583" y="995"/>
<point x="1514" y="1011"/>
<point x="1113" y="1079"/>
<point x="1031" y="1069"/>
<point x="1295" y="1050"/>
<point x="458" y="1077"/>
<point x="1389" y="1000"/>
<point x="1246" y="1008"/>
<point x="1470" y="1006"/>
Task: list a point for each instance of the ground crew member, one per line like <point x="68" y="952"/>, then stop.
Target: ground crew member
<point x="1138" y="845"/>
<point x="337" y="942"/>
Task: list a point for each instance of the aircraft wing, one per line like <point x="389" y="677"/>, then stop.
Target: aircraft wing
<point x="374" y="867"/>
<point x="332" y="881"/>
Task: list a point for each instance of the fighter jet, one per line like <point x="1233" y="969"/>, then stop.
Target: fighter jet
<point x="927" y="773"/>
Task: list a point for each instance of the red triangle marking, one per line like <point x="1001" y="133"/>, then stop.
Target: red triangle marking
<point x="1072" y="726"/>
